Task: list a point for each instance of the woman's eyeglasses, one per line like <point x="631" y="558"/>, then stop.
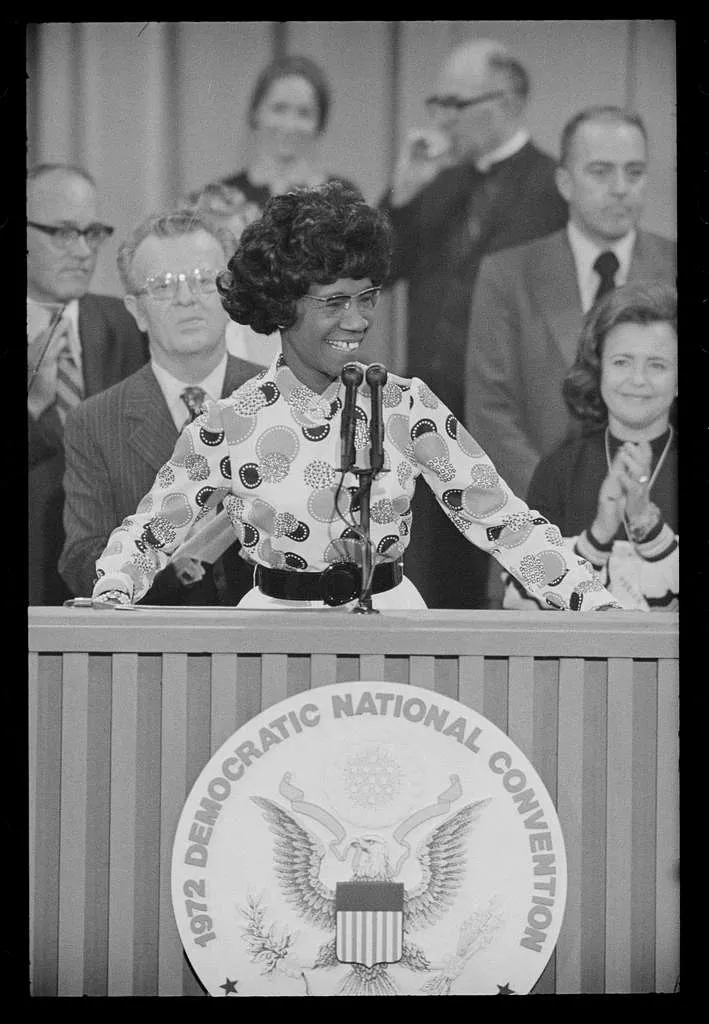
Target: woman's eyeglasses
<point x="65" y="235"/>
<point x="163" y="287"/>
<point x="336" y="305"/>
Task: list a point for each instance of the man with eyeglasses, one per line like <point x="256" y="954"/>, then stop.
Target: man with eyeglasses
<point x="79" y="344"/>
<point x="471" y="184"/>
<point x="117" y="442"/>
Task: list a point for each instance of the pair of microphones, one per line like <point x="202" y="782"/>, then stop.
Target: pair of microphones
<point x="352" y="377"/>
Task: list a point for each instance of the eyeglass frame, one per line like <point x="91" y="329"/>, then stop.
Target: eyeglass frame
<point x="188" y="279"/>
<point x="459" y="105"/>
<point x="75" y="233"/>
<point x="345" y="299"/>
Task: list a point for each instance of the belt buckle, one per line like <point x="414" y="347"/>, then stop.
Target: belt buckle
<point x="339" y="583"/>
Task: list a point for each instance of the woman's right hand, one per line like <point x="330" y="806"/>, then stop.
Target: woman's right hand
<point x="611" y="503"/>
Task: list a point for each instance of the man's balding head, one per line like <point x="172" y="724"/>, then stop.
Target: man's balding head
<point x="483" y="70"/>
<point x="59" y="195"/>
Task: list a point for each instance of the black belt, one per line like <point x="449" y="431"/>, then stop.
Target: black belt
<point x="337" y="584"/>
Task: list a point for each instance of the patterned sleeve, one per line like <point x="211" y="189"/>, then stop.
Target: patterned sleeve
<point x="186" y="490"/>
<point x="481" y="505"/>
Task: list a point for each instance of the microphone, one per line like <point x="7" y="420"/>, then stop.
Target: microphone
<point x="352" y="378"/>
<point x="53" y="324"/>
<point x="376" y="377"/>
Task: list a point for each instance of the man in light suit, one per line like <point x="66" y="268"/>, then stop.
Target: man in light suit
<point x="529" y="301"/>
<point x="475" y="184"/>
<point x="116" y="442"/>
<point x="64" y="235"/>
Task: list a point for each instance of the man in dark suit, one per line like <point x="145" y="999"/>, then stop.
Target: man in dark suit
<point x="116" y="442"/>
<point x="529" y="301"/>
<point x="94" y="333"/>
<point x="474" y="185"/>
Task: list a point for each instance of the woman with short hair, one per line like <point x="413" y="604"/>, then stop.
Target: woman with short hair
<point x="613" y="492"/>
<point x="289" y="109"/>
<point x="312" y="266"/>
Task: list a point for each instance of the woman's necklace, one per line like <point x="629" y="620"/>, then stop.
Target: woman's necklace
<point x="655" y="472"/>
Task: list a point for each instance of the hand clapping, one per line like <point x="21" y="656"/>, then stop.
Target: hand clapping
<point x="625" y="490"/>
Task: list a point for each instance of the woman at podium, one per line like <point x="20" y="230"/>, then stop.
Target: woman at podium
<point x="290" y="454"/>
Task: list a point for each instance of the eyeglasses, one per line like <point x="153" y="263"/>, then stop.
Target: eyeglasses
<point x="457" y="104"/>
<point x="65" y="235"/>
<point x="163" y="287"/>
<point x="336" y="305"/>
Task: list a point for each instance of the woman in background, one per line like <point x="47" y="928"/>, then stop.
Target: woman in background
<point x="230" y="208"/>
<point x="288" y="112"/>
<point x="313" y="266"/>
<point x="613" y="492"/>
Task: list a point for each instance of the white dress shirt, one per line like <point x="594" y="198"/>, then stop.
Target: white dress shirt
<point x="586" y="253"/>
<point x="507" y="149"/>
<point x="172" y="389"/>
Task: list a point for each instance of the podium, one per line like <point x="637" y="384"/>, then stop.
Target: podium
<point x="127" y="705"/>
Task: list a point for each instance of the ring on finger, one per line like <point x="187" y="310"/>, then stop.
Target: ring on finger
<point x="643" y="479"/>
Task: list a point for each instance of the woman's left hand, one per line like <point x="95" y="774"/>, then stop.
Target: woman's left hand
<point x="636" y="461"/>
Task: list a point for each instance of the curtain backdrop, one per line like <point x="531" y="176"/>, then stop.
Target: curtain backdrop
<point x="153" y="109"/>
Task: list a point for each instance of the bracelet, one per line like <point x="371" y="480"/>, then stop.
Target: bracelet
<point x="599" y="545"/>
<point x="119" y="596"/>
<point x="639" y="529"/>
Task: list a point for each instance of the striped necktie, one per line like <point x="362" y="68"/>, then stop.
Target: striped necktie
<point x="70" y="384"/>
<point x="194" y="397"/>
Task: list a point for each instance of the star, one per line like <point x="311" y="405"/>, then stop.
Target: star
<point x="230" y="986"/>
<point x="505" y="990"/>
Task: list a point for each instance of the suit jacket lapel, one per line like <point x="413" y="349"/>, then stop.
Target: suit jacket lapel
<point x="151" y="431"/>
<point x="555" y="290"/>
<point x="94" y="333"/>
<point x="646" y="263"/>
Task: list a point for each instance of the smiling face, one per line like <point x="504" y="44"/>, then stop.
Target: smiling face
<point x="604" y="179"/>
<point x="287" y="117"/>
<point x="55" y="274"/>
<point x="188" y="332"/>
<point x="639" y="379"/>
<point x="320" y="342"/>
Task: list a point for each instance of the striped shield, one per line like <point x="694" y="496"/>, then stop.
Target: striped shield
<point x="370" y="922"/>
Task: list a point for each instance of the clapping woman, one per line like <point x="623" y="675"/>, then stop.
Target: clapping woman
<point x="312" y="267"/>
<point x="613" y="492"/>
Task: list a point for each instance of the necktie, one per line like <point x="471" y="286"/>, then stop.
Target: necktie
<point x="194" y="397"/>
<point x="606" y="266"/>
<point x="70" y="385"/>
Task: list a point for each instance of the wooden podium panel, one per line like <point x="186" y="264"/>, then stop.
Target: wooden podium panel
<point x="126" y="707"/>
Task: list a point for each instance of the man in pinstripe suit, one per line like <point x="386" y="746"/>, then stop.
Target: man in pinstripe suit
<point x="64" y="236"/>
<point x="117" y="441"/>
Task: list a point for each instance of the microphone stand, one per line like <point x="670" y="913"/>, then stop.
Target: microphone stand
<point x="364" y="605"/>
<point x="376" y="377"/>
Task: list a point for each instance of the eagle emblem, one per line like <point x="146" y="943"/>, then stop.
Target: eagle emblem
<point x="370" y="918"/>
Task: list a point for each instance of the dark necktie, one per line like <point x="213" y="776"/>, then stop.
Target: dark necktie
<point x="194" y="397"/>
<point x="606" y="266"/>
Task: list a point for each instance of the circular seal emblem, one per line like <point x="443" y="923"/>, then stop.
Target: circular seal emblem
<point x="368" y="838"/>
